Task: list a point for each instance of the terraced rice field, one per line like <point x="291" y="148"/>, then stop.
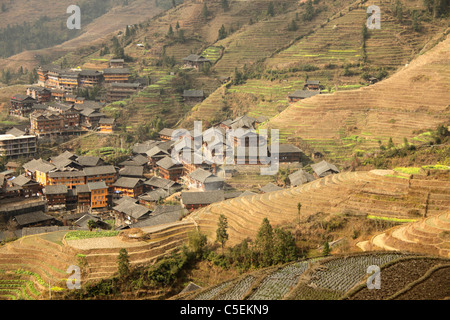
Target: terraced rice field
<point x="373" y="113"/>
<point x="430" y="235"/>
<point x="262" y="39"/>
<point x="373" y="193"/>
<point x="28" y="265"/>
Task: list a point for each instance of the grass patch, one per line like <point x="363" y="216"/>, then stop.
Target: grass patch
<point x="408" y="170"/>
<point x="390" y="219"/>
<point x="79" y="235"/>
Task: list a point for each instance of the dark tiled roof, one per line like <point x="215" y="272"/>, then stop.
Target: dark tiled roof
<point x="288" y="148"/>
<point x="55" y="189"/>
<point x="300" y="177"/>
<point x="193" y="93"/>
<point x="116" y="71"/>
<point x="33" y="217"/>
<point x="131" y="209"/>
<point x="126" y="182"/>
<point x="303" y="94"/>
<point x="16" y="132"/>
<point x="159" y="182"/>
<point x="270" y="187"/>
<point x="206" y="197"/>
<point x="167" y="163"/>
<point x="89" y="161"/>
<point x="322" y="167"/>
<point x="93" y="171"/>
<point x="20" y="180"/>
<point x="132" y="171"/>
<point x="162" y="215"/>
<point x="97" y="185"/>
<point x="154" y="195"/>
<point x="166" y="132"/>
<point x="195" y="58"/>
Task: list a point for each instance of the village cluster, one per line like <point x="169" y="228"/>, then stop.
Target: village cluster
<point x="149" y="188"/>
<point x="163" y="179"/>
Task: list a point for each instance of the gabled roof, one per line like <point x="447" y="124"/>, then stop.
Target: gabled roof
<point x="243" y="122"/>
<point x="167" y="163"/>
<point x="288" y="148"/>
<point x="55" y="189"/>
<point x="99" y="185"/>
<point x="21" y="180"/>
<point x="154" y="195"/>
<point x="116" y="71"/>
<point x="92" y="171"/>
<point x="206" y="197"/>
<point x="193" y="93"/>
<point x="15" y="132"/>
<point x="67" y="174"/>
<point x="83" y="221"/>
<point x="300" y="177"/>
<point x="196" y="58"/>
<point x="131" y="209"/>
<point x="89" y="161"/>
<point x="270" y="187"/>
<point x="247" y="193"/>
<point x="108" y="121"/>
<point x="159" y="182"/>
<point x="166" y="132"/>
<point x="138" y="160"/>
<point x="132" y="171"/>
<point x="162" y="215"/>
<point x="127" y="182"/>
<point x="155" y="151"/>
<point x="204" y="176"/>
<point x="143" y="148"/>
<point x="35" y="164"/>
<point x="32" y="217"/>
<point x="190" y="287"/>
<point x="313" y="82"/>
<point x="303" y="94"/>
<point x="22" y="97"/>
<point x="87" y="72"/>
<point x="322" y="167"/>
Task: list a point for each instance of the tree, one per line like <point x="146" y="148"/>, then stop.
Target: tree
<point x="285" y="249"/>
<point x="222" y="33"/>
<point x="299" y="206"/>
<point x="390" y="144"/>
<point x="309" y="11"/>
<point x="197" y="243"/>
<point x="264" y="243"/>
<point x="225" y="5"/>
<point x="177" y="26"/>
<point x="170" y="32"/>
<point x="270" y="9"/>
<point x="91" y="224"/>
<point x="123" y="262"/>
<point x="221" y="232"/>
<point x="205" y="12"/>
<point x="292" y="26"/>
<point x="326" y="249"/>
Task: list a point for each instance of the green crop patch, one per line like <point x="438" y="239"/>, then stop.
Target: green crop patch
<point x="79" y="235"/>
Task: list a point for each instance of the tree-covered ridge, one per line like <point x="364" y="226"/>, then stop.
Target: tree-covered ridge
<point x="47" y="32"/>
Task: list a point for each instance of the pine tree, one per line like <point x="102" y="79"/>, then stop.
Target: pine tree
<point x="222" y="33"/>
<point x="205" y="12"/>
<point x="285" y="249"/>
<point x="170" y="32"/>
<point x="270" y="9"/>
<point x="326" y="249"/>
<point x="299" y="206"/>
<point x="177" y="26"/>
<point x="265" y="242"/>
<point x="123" y="262"/>
<point x="390" y="143"/>
<point x="221" y="232"/>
